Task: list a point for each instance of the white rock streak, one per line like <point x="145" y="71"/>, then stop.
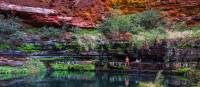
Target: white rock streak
<point x="10" y="7"/>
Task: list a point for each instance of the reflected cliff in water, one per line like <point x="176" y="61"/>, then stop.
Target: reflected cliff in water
<point x="95" y="79"/>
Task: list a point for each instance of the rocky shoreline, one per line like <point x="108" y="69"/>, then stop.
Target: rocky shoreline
<point x="11" y="61"/>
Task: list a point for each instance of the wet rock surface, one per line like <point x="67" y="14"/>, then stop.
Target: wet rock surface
<point x="10" y="62"/>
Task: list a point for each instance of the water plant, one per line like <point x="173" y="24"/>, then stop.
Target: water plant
<point x="81" y="67"/>
<point x="29" y="68"/>
<point x="11" y="76"/>
<point x="13" y="70"/>
<point x="72" y="74"/>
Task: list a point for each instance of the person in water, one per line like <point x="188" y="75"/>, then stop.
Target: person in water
<point x="127" y="61"/>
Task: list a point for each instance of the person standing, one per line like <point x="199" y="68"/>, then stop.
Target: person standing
<point x="127" y="61"/>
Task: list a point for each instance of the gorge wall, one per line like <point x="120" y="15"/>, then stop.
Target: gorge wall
<point x="88" y="13"/>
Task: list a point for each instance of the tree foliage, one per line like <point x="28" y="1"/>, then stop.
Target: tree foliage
<point x="11" y="30"/>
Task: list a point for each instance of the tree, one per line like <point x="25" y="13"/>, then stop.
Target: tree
<point x="11" y="31"/>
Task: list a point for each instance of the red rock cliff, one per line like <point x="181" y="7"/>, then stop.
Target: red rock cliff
<point x="88" y="13"/>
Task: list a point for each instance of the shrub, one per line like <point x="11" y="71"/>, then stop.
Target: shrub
<point x="122" y="67"/>
<point x="143" y="27"/>
<point x="35" y="66"/>
<point x="81" y="67"/>
<point x="195" y="32"/>
<point x="148" y="37"/>
<point x="182" y="70"/>
<point x="76" y="30"/>
<point x="86" y="42"/>
<point x="150" y="19"/>
<point x="179" y="26"/>
<point x="196" y="27"/>
<point x="58" y="46"/>
<point x="50" y="32"/>
<point x="120" y="24"/>
<point x="28" y="48"/>
<point x="18" y="36"/>
<point x="11" y="76"/>
<point x="133" y="23"/>
<point x="12" y="70"/>
<point x="11" y="31"/>
<point x="5" y="46"/>
<point x="10" y="25"/>
<point x="29" y="68"/>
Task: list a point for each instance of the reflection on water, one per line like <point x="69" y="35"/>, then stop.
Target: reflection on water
<point x="93" y="79"/>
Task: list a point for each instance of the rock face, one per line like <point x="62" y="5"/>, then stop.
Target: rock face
<point x="8" y="62"/>
<point x="81" y="13"/>
<point x="88" y="13"/>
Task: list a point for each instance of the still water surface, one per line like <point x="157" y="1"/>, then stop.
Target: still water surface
<point x="94" y="79"/>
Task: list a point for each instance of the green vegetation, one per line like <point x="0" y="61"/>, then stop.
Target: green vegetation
<point x="81" y="67"/>
<point x="11" y="31"/>
<point x="183" y="78"/>
<point x="92" y="32"/>
<point x="182" y="70"/>
<point x="11" y="76"/>
<point x="195" y="73"/>
<point x="29" y="68"/>
<point x="63" y="74"/>
<point x="133" y="23"/>
<point x="150" y="20"/>
<point x="85" y="40"/>
<point x="4" y="46"/>
<point x="145" y="28"/>
<point x="139" y="30"/>
<point x="48" y="59"/>
<point x="148" y="37"/>
<point x="120" y="24"/>
<point x="58" y="46"/>
<point x="197" y="27"/>
<point x="35" y="66"/>
<point x="50" y="32"/>
<point x="122" y="67"/>
<point x="13" y="70"/>
<point x="28" y="48"/>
